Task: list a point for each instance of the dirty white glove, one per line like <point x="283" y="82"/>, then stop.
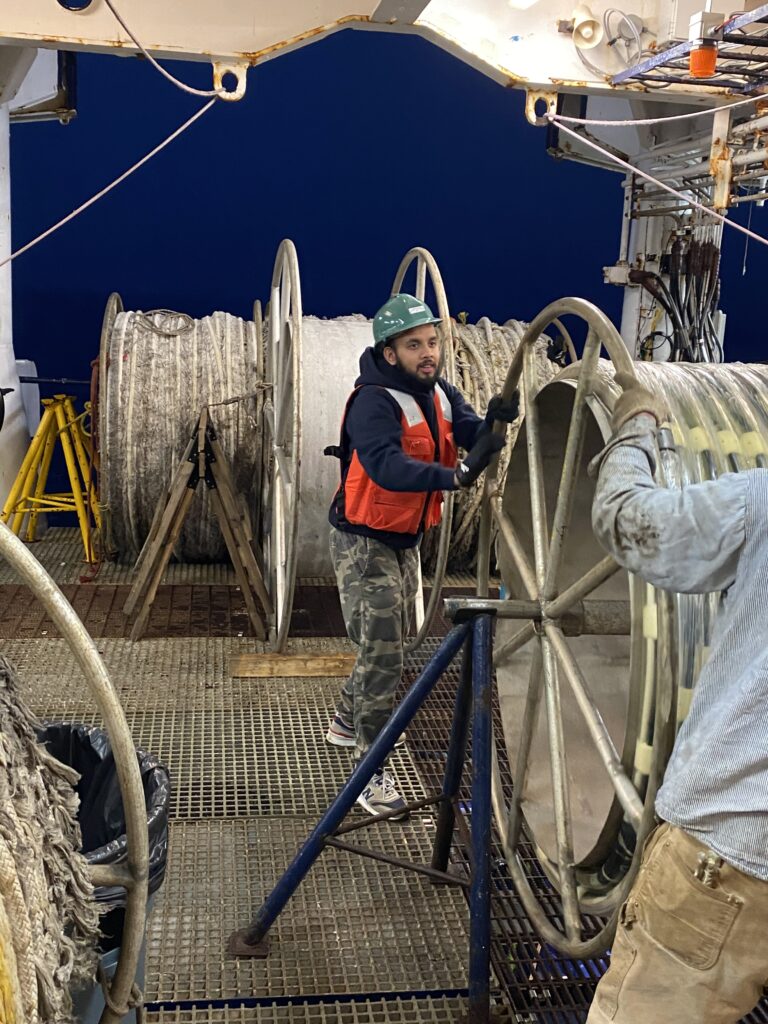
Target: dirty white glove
<point x="634" y="400"/>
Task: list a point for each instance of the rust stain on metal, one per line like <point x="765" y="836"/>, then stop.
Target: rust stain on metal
<point x="569" y="83"/>
<point x="250" y="56"/>
<point x="254" y="56"/>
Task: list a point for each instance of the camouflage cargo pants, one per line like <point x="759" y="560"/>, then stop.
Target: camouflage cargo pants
<point x="377" y="586"/>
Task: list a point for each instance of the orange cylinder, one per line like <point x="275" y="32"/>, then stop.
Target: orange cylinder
<point x="703" y="60"/>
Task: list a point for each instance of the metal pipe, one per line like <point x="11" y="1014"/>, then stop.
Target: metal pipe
<point x="52" y="380"/>
<point x="480" y="891"/>
<point x="530" y="719"/>
<point x="573" y="451"/>
<point x="751" y="175"/>
<point x="595" y="618"/>
<point x="248" y="941"/>
<point x="560" y="790"/>
<point x="747" y="127"/>
<point x="454" y="764"/>
<point x="536" y="470"/>
<point x="625" y="791"/>
<point x="357" y="824"/>
<point x="756" y="197"/>
<point x="673" y="212"/>
<point x="398" y="862"/>
<point x="110" y="875"/>
<point x="84" y="649"/>
<point x="509" y="537"/>
<point x="752" y="156"/>
<point x="513" y="645"/>
<point x="734" y="37"/>
<point x="626" y="222"/>
<point x="590" y="581"/>
<point x="426" y="263"/>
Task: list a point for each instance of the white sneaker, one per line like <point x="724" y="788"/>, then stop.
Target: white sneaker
<point x="342" y="734"/>
<point x="380" y="795"/>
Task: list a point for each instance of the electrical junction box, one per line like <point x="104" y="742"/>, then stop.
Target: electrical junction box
<point x="674" y="26"/>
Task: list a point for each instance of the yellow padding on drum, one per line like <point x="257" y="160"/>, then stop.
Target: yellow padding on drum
<point x="753" y="444"/>
<point x="729" y="442"/>
<point x="699" y="439"/>
<point x="650" y="622"/>
<point x="684" y="698"/>
<point x="643" y="758"/>
<point x="11" y="1008"/>
<point x="677" y="434"/>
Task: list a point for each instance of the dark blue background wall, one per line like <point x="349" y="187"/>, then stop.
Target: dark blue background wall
<point x="357" y="147"/>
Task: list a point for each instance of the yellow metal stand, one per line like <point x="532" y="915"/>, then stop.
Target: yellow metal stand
<point x="28" y="496"/>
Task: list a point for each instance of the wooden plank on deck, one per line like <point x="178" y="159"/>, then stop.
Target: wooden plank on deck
<point x="269" y="666"/>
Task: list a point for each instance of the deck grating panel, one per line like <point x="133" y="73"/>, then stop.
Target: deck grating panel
<point x="353" y="926"/>
<point x="60" y="551"/>
<point x="397" y="1010"/>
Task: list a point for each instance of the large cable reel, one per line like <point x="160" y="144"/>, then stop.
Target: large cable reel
<point x="593" y="690"/>
<point x="281" y="419"/>
<point x="299" y="421"/>
<point x="133" y="874"/>
<point x="425" y="265"/>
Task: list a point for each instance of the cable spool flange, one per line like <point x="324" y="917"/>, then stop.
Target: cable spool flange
<point x="564" y="698"/>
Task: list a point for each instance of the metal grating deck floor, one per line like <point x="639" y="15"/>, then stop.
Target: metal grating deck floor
<point x="60" y="550"/>
<point x="389" y="1010"/>
<point x="360" y="943"/>
<point x="353" y="926"/>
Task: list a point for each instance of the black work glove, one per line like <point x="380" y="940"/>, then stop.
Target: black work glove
<point x="504" y="412"/>
<point x="470" y="468"/>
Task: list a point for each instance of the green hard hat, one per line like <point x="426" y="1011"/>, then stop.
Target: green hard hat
<point x="401" y="313"/>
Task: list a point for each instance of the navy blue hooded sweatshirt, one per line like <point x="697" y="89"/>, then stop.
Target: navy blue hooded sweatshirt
<point x="373" y="427"/>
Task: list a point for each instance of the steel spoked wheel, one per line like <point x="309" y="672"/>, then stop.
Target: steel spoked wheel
<point x="425" y="267"/>
<point x="576" y="710"/>
<point x="282" y="426"/>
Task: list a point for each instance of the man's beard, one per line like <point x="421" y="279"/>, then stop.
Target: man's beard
<point x="415" y="376"/>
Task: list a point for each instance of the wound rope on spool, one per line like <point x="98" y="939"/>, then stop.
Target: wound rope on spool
<point x="163" y="368"/>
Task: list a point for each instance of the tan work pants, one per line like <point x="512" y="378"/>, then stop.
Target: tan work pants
<point x="692" y="941"/>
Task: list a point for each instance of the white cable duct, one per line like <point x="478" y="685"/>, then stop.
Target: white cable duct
<point x="162" y="368"/>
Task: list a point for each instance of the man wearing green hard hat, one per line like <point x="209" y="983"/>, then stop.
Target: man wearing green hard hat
<point x="401" y="430"/>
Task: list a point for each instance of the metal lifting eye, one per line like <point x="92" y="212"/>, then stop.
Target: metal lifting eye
<point x="75" y="5"/>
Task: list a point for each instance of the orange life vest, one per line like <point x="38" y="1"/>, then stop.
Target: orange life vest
<point x="368" y="504"/>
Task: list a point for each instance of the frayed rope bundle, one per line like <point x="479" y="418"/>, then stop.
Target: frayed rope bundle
<point x="48" y="919"/>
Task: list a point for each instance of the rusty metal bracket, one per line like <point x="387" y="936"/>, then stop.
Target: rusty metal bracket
<point x="532" y="99"/>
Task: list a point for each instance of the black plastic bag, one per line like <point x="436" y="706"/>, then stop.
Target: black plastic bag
<point x="101" y="816"/>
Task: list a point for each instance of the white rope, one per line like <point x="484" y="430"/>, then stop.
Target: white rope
<point x="708" y="111"/>
<point x="158" y="67"/>
<point x="148" y="409"/>
<point x="667" y="188"/>
<point x="45" y="883"/>
<point x="99" y="195"/>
